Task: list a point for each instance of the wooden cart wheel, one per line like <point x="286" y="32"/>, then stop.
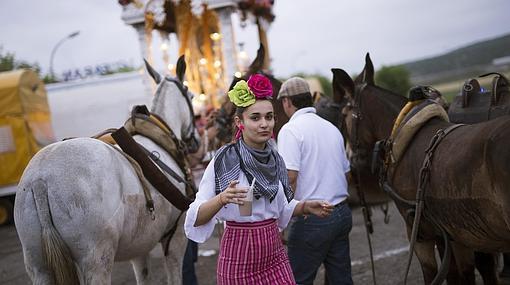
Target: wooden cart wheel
<point x="6" y="211"/>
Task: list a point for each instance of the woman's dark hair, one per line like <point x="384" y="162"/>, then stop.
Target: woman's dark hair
<point x="302" y="100"/>
<point x="240" y="111"/>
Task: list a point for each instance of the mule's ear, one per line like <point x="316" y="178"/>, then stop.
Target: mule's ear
<point x="180" y="68"/>
<point x="153" y="73"/>
<point x="258" y="62"/>
<point x="233" y="83"/>
<point x="367" y="75"/>
<point x="343" y="86"/>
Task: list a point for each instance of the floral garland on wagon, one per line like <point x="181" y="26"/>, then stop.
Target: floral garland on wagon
<point x="259" y="8"/>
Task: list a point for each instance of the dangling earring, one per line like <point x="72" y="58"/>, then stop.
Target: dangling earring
<point x="239" y="131"/>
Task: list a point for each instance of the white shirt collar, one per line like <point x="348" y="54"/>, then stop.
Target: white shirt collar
<point x="303" y="111"/>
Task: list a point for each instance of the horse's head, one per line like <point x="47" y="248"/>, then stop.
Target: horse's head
<point x="368" y="113"/>
<point x="366" y="116"/>
<point x="330" y="109"/>
<point x="172" y="102"/>
<point x="225" y="118"/>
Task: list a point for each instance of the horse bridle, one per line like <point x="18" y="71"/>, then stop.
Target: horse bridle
<point x="353" y="135"/>
<point x="189" y="137"/>
<point x="353" y="138"/>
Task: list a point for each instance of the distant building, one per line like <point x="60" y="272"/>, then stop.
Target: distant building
<point x="501" y="61"/>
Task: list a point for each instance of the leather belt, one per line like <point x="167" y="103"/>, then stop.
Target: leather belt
<point x="341" y="203"/>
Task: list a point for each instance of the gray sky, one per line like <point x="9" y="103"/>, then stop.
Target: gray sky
<point x="306" y="36"/>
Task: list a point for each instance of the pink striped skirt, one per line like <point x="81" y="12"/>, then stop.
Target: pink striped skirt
<point x="253" y="253"/>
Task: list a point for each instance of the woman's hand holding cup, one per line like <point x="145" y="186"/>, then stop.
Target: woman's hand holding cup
<point x="233" y="194"/>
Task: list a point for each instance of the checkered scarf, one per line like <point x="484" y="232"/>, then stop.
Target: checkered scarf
<point x="265" y="165"/>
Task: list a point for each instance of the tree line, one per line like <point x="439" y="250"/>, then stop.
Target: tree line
<point x="8" y="62"/>
<point x="395" y="78"/>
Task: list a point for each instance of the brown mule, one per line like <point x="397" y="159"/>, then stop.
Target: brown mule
<point x="467" y="195"/>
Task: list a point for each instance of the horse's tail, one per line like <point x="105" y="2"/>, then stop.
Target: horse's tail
<point x="56" y="254"/>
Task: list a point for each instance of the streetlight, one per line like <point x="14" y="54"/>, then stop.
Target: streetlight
<point x="70" y="36"/>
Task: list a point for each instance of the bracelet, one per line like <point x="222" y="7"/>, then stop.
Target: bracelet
<point x="221" y="203"/>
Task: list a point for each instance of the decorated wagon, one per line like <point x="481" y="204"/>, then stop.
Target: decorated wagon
<point x="204" y="31"/>
<point x="25" y="127"/>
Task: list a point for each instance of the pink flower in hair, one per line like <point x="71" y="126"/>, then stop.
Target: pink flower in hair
<point x="260" y="86"/>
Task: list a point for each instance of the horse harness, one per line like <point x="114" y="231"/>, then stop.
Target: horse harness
<point x="415" y="209"/>
<point x="140" y="123"/>
<point x="149" y="125"/>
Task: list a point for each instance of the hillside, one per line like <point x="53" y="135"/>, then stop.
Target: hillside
<point x="464" y="62"/>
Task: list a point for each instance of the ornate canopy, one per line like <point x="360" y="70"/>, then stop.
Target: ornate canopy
<point x="205" y="36"/>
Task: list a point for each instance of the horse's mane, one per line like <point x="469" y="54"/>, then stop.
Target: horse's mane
<point x="156" y="101"/>
<point x="389" y="98"/>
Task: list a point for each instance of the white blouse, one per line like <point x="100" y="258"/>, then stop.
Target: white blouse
<point x="279" y="209"/>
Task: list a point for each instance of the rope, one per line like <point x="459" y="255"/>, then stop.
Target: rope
<point x="369" y="229"/>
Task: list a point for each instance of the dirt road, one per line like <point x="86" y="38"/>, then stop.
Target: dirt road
<point x="390" y="248"/>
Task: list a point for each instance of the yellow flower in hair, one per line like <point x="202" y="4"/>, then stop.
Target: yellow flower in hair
<point x="241" y="95"/>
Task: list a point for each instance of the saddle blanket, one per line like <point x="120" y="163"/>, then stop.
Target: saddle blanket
<point x="415" y="118"/>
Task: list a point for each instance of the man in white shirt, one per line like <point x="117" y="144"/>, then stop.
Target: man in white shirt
<point x="314" y="154"/>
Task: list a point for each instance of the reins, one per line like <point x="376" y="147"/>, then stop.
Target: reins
<point x="369" y="229"/>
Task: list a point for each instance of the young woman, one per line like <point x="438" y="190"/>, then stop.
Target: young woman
<point x="251" y="250"/>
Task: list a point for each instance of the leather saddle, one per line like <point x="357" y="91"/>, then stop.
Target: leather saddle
<point x="474" y="104"/>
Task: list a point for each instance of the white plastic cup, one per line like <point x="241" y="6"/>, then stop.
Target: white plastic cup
<point x="246" y="208"/>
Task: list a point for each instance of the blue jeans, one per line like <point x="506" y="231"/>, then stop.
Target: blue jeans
<point x="313" y="241"/>
<point x="188" y="266"/>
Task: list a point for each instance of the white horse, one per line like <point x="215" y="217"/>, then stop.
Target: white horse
<point x="80" y="205"/>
